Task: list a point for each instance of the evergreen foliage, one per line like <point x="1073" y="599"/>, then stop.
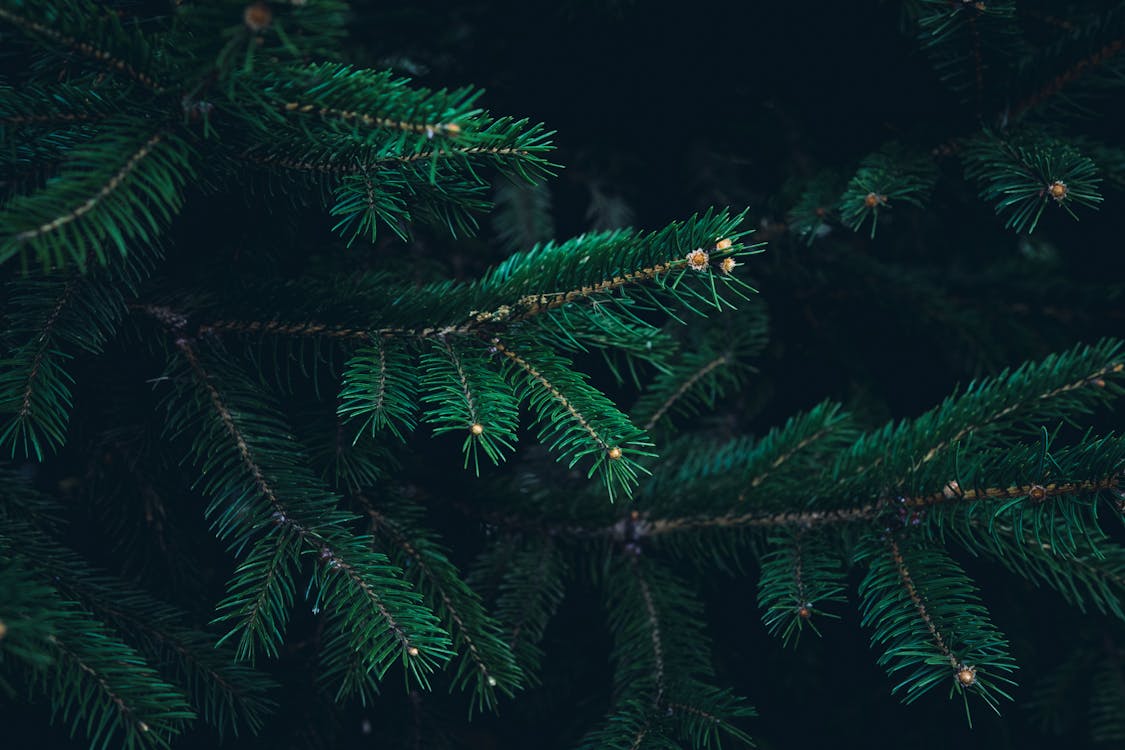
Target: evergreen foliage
<point x="269" y="413"/>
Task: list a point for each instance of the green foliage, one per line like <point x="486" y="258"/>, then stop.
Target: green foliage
<point x="889" y="176"/>
<point x="797" y="576"/>
<point x="486" y="664"/>
<point x="815" y="208"/>
<point x="96" y="684"/>
<point x="576" y="422"/>
<point x="264" y="496"/>
<point x="379" y="388"/>
<point x="697" y="380"/>
<point x="971" y="43"/>
<point x="465" y="394"/>
<point x="926" y="615"/>
<point x="289" y="378"/>
<point x="527" y="577"/>
<point x="52" y="317"/>
<point x="118" y="190"/>
<point x="661" y="664"/>
<point x="1020" y="174"/>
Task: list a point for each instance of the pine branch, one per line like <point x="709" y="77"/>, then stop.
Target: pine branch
<point x="1024" y="172"/>
<point x="93" y="681"/>
<point x="465" y="394"/>
<point x="120" y="189"/>
<point x="798" y="574"/>
<point x="90" y="31"/>
<point x="575" y="421"/>
<point x="527" y="575"/>
<point x="888" y="176"/>
<point x="486" y="665"/>
<point x="661" y="660"/>
<point x="379" y="388"/>
<point x="926" y="614"/>
<point x="696" y="381"/>
<point x="258" y="482"/>
<point x="51" y="317"/>
<point x="226" y="695"/>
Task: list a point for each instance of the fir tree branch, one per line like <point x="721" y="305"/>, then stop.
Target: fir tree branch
<point x="1068" y="76"/>
<point x="574" y="419"/>
<point x="78" y="16"/>
<point x="919" y="605"/>
<point x="524" y="577"/>
<point x="798" y="575"/>
<point x="684" y="387"/>
<point x="873" y="510"/>
<point x="654" y="632"/>
<point x="369" y="620"/>
<point x="21" y="430"/>
<point x="487" y="664"/>
<point x="274" y="327"/>
<point x="117" y="190"/>
<point x="927" y="615"/>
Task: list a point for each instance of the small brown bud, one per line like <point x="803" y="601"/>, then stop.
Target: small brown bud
<point x="697" y="259"/>
<point x="1037" y="493"/>
<point x="967" y="676"/>
<point x="615" y="453"/>
<point x="728" y="265"/>
<point x="951" y="490"/>
<point x="413" y="651"/>
<point x="874" y="199"/>
<point x="804" y="612"/>
<point x="257" y="16"/>
<point x="477" y="428"/>
<point x="1058" y="190"/>
<point x="723" y="244"/>
<point x="3" y="629"/>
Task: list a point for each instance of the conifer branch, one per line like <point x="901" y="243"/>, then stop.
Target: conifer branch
<point x="267" y="572"/>
<point x="381" y="522"/>
<point x="42" y="343"/>
<point x="332" y="165"/>
<point x="873" y="510"/>
<point x="685" y="386"/>
<point x="276" y="328"/>
<point x="429" y="129"/>
<point x="1068" y="76"/>
<point x="554" y="392"/>
<point x="127" y="713"/>
<point x="780" y="460"/>
<point x="116" y="191"/>
<point x="225" y="417"/>
<point x="113" y="183"/>
<point x="654" y="633"/>
<point x="1095" y="379"/>
<point x="487" y="665"/>
<point x="518" y="628"/>
<point x="101" y="56"/>
<point x="919" y="605"/>
<point x="798" y="575"/>
<point x="527" y="574"/>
